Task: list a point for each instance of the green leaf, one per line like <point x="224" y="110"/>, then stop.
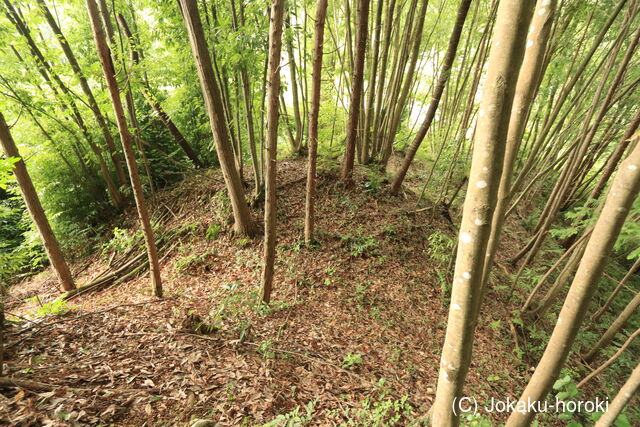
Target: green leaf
<point x="561" y="382"/>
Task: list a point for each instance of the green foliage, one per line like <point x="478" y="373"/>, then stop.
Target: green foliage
<point x="351" y="360"/>
<point x="266" y="349"/>
<point x="295" y="417"/>
<point x="122" y="240"/>
<point x="212" y="231"/>
<point x="379" y="410"/>
<point x="477" y="420"/>
<point x="361" y="245"/>
<point x="440" y="246"/>
<point x="373" y="181"/>
<point x="57" y="307"/>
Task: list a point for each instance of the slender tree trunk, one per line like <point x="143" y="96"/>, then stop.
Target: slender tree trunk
<point x="153" y="102"/>
<point x="544" y="278"/>
<point x="125" y="136"/>
<point x="356" y="90"/>
<point x="623" y="192"/>
<point x="615" y="158"/>
<point x="623" y="397"/>
<point x="31" y="200"/>
<point x="612" y="359"/>
<point x="564" y="93"/>
<point x="273" y="79"/>
<point x="297" y="146"/>
<point x="506" y="55"/>
<point x="634" y="268"/>
<point x="248" y="107"/>
<point x="100" y="119"/>
<point x="450" y="56"/>
<point x="528" y="82"/>
<point x="215" y="109"/>
<point x="369" y="105"/>
<point x="409" y="78"/>
<point x="615" y="327"/>
<point x="314" y="110"/>
<point x="68" y="103"/>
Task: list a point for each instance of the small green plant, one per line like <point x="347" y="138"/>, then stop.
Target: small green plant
<point x="122" y="240"/>
<point x="351" y="360"/>
<point x="475" y="421"/>
<point x="55" y="307"/>
<point x="373" y="183"/>
<point x="361" y="245"/>
<point x="213" y="231"/>
<point x="445" y="287"/>
<point x="188" y="229"/>
<point x="440" y="246"/>
<point x="295" y="417"/>
<point x="266" y="349"/>
<point x="243" y="242"/>
<point x="379" y="411"/>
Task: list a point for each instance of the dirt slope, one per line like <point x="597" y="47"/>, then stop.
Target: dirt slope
<point x="354" y="332"/>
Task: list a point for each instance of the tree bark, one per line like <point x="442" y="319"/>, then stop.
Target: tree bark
<point x="297" y="145"/>
<point x="309" y="216"/>
<point x="623" y="192"/>
<point x="273" y="90"/>
<point x="357" y="84"/>
<point x="506" y="55"/>
<point x="528" y="83"/>
<point x="125" y="136"/>
<point x="215" y="109"/>
<point x="31" y="200"/>
<point x="622" y="398"/>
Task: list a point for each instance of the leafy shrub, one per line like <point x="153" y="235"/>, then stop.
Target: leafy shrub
<point x="440" y="246"/>
<point x="122" y="240"/>
<point x="361" y="245"/>
<point x="56" y="307"/>
<point x="213" y="231"/>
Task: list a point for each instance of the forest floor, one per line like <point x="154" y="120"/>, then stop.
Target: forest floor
<point x="353" y="334"/>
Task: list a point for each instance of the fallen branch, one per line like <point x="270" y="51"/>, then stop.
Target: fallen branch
<point x="25" y="384"/>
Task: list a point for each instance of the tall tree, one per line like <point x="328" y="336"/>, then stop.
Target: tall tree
<point x="450" y="56"/>
<point x="125" y="136"/>
<point x="31" y="200"/>
<point x="314" y="110"/>
<point x="215" y="109"/>
<point x="65" y="98"/>
<point x="508" y="44"/>
<point x="273" y="91"/>
<point x="621" y="195"/>
<point x="357" y="84"/>
<point x="528" y="83"/>
<point x="93" y="104"/>
<point x="152" y="100"/>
